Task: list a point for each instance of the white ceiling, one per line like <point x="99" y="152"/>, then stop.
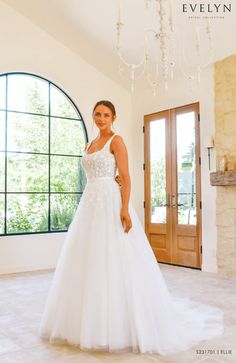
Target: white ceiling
<point x="88" y="27"/>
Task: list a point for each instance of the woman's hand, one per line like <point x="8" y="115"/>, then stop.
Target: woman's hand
<point x="125" y="220"/>
<point x="118" y="180"/>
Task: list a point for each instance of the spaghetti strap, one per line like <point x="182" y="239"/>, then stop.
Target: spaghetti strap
<point x="106" y="146"/>
<point x="108" y="143"/>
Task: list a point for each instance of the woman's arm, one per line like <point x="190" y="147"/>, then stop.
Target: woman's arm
<point x="86" y="146"/>
<point x="120" y="152"/>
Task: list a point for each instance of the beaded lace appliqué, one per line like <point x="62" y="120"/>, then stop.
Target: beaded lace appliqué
<point x="100" y="164"/>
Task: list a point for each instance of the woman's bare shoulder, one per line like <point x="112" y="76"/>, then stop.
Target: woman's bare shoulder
<point x="118" y="144"/>
<point x="117" y="140"/>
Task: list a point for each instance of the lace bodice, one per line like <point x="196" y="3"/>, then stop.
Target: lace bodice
<point x="99" y="164"/>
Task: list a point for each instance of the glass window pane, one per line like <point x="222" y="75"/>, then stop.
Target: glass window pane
<point x="2" y="204"/>
<point x="3" y="92"/>
<point x="63" y="207"/>
<point x="27" y="213"/>
<point x="27" y="133"/>
<point x="186" y="168"/>
<point x="61" y="105"/>
<point x="67" y="137"/>
<point x="158" y="171"/>
<point x="27" y="93"/>
<point x="2" y="172"/>
<point x="27" y="173"/>
<point x="2" y="130"/>
<point x="67" y="174"/>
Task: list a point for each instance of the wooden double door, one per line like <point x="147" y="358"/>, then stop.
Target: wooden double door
<point x="172" y="185"/>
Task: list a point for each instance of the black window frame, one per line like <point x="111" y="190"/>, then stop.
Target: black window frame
<point x="49" y="154"/>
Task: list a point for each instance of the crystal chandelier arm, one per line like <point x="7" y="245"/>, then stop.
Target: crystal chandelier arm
<point x="141" y="73"/>
<point x="131" y="64"/>
<point x="200" y="64"/>
<point x="135" y="77"/>
<point x="148" y="76"/>
<point x="165" y="59"/>
<point x="119" y="25"/>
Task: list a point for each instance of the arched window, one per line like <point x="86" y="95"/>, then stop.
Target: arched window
<point x="42" y="138"/>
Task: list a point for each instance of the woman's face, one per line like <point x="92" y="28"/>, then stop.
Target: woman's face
<point x="103" y="117"/>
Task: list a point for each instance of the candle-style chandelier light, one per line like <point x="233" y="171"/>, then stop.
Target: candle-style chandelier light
<point x="165" y="35"/>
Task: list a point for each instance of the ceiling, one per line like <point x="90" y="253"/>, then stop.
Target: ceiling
<point x="88" y="27"/>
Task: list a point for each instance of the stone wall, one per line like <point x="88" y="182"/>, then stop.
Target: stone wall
<point x="225" y="143"/>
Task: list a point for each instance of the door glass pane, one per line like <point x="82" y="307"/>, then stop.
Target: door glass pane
<point x="186" y="170"/>
<point x="158" y="171"/>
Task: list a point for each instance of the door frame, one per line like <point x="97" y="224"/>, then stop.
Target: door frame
<point x="170" y="115"/>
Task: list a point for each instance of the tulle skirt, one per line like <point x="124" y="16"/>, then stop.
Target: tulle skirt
<point x="108" y="292"/>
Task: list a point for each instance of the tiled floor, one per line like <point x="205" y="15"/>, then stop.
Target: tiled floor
<point x="22" y="298"/>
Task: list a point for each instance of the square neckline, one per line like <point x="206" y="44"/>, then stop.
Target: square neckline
<point x="101" y="148"/>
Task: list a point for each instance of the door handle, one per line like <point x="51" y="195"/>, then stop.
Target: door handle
<point x="173" y="197"/>
<point x="167" y="200"/>
<point x="167" y="204"/>
<point x="177" y="205"/>
<point x="174" y="205"/>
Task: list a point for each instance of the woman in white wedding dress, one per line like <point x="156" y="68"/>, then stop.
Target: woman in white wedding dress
<point x="108" y="292"/>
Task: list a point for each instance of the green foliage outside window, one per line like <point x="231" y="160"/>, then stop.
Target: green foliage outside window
<point x="45" y="140"/>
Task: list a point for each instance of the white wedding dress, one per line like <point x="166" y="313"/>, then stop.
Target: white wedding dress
<point x="108" y="292"/>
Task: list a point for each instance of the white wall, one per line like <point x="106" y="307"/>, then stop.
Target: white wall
<point x="179" y="94"/>
<point x="25" y="47"/>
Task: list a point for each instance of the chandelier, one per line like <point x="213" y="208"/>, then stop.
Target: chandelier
<point x="164" y="34"/>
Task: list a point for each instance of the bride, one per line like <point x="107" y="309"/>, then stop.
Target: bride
<point x="108" y="292"/>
